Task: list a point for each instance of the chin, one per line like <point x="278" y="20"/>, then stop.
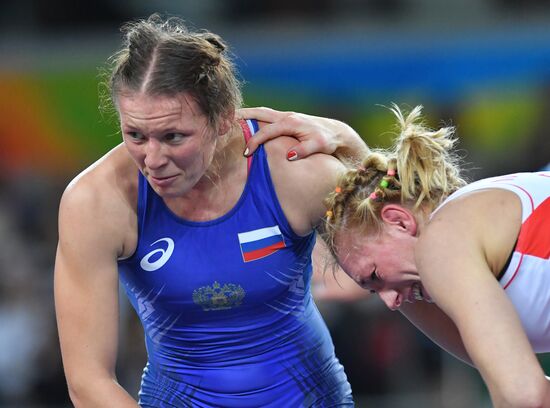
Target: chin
<point x="166" y="192"/>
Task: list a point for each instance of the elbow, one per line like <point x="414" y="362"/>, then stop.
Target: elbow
<point x="89" y="390"/>
<point x="81" y="391"/>
<point x="77" y="393"/>
<point x="534" y="395"/>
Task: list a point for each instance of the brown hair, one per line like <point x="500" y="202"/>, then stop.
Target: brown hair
<point x="419" y="169"/>
<point x="164" y="57"/>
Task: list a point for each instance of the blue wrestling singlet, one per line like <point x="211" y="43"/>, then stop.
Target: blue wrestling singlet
<point x="226" y="306"/>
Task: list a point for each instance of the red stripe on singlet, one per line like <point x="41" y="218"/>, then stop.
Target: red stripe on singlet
<point x="247" y="135"/>
<point x="520" y="234"/>
<point x="534" y="238"/>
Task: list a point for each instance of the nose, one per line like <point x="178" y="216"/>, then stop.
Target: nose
<point x="154" y="155"/>
<point x="391" y="298"/>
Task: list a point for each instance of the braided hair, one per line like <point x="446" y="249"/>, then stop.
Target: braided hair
<point x="420" y="169"/>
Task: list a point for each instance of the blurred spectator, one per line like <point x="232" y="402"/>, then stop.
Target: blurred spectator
<point x="28" y="338"/>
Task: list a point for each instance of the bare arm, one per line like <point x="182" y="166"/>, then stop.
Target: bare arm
<point x="301" y="185"/>
<point x="86" y="297"/>
<point x="315" y="134"/>
<point x="456" y="272"/>
<point x="435" y="324"/>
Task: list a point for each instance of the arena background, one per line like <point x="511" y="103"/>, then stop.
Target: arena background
<point x="482" y="65"/>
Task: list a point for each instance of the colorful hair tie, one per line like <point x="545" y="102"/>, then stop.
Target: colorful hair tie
<point x="329" y="214"/>
<point x="384" y="183"/>
<point x="373" y="196"/>
<point x="338" y="190"/>
<point x="391" y="172"/>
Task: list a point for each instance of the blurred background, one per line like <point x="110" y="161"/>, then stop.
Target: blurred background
<point x="481" y="65"/>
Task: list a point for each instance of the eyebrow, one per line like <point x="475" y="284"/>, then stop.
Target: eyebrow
<point x="161" y="132"/>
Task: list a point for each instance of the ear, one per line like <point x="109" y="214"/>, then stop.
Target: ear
<point x="400" y="217"/>
<point x="225" y="123"/>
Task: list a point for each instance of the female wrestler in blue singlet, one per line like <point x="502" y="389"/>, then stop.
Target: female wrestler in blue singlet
<point x="213" y="250"/>
<point x="226" y="305"/>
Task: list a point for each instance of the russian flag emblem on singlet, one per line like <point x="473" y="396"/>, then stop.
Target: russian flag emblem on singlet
<point x="260" y="243"/>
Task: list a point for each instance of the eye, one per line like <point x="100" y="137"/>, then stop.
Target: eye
<point x="366" y="284"/>
<point x="373" y="276"/>
<point x="174" y="137"/>
<point x="135" y="135"/>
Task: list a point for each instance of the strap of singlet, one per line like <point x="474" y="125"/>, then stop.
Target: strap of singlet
<point x="503" y="271"/>
<point x="247" y="135"/>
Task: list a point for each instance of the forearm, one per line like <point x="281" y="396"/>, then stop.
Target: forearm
<point x="496" y="342"/>
<point x="511" y="371"/>
<point x="105" y="392"/>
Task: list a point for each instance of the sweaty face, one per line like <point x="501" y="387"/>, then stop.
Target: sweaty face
<point x="382" y="263"/>
<point x="169" y="138"/>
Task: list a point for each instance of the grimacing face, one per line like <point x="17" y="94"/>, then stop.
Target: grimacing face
<point x="382" y="263"/>
<point x="169" y="138"/>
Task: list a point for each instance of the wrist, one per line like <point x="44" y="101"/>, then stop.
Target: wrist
<point x="349" y="144"/>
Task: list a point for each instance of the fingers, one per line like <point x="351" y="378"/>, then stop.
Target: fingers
<point x="298" y="151"/>
<point x="261" y="114"/>
<point x="315" y="134"/>
<point x="303" y="149"/>
<point x="266" y="133"/>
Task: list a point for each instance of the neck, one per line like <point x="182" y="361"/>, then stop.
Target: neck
<point x="422" y="216"/>
<point x="222" y="184"/>
<point x="229" y="148"/>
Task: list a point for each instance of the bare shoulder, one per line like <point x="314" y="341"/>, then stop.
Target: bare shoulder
<point x="102" y="199"/>
<point x="111" y="181"/>
<point x="301" y="185"/>
<point x="482" y="223"/>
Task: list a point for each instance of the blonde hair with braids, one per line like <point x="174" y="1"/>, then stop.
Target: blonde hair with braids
<point x="420" y="169"/>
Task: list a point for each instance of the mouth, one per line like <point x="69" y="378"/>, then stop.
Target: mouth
<point x="157" y="178"/>
<point x="161" y="181"/>
<point x="418" y="293"/>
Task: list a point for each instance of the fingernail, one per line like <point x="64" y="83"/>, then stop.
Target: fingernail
<point x="292" y="155"/>
<point x="246" y="152"/>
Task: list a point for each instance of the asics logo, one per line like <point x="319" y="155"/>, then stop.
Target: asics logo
<point x="165" y="255"/>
